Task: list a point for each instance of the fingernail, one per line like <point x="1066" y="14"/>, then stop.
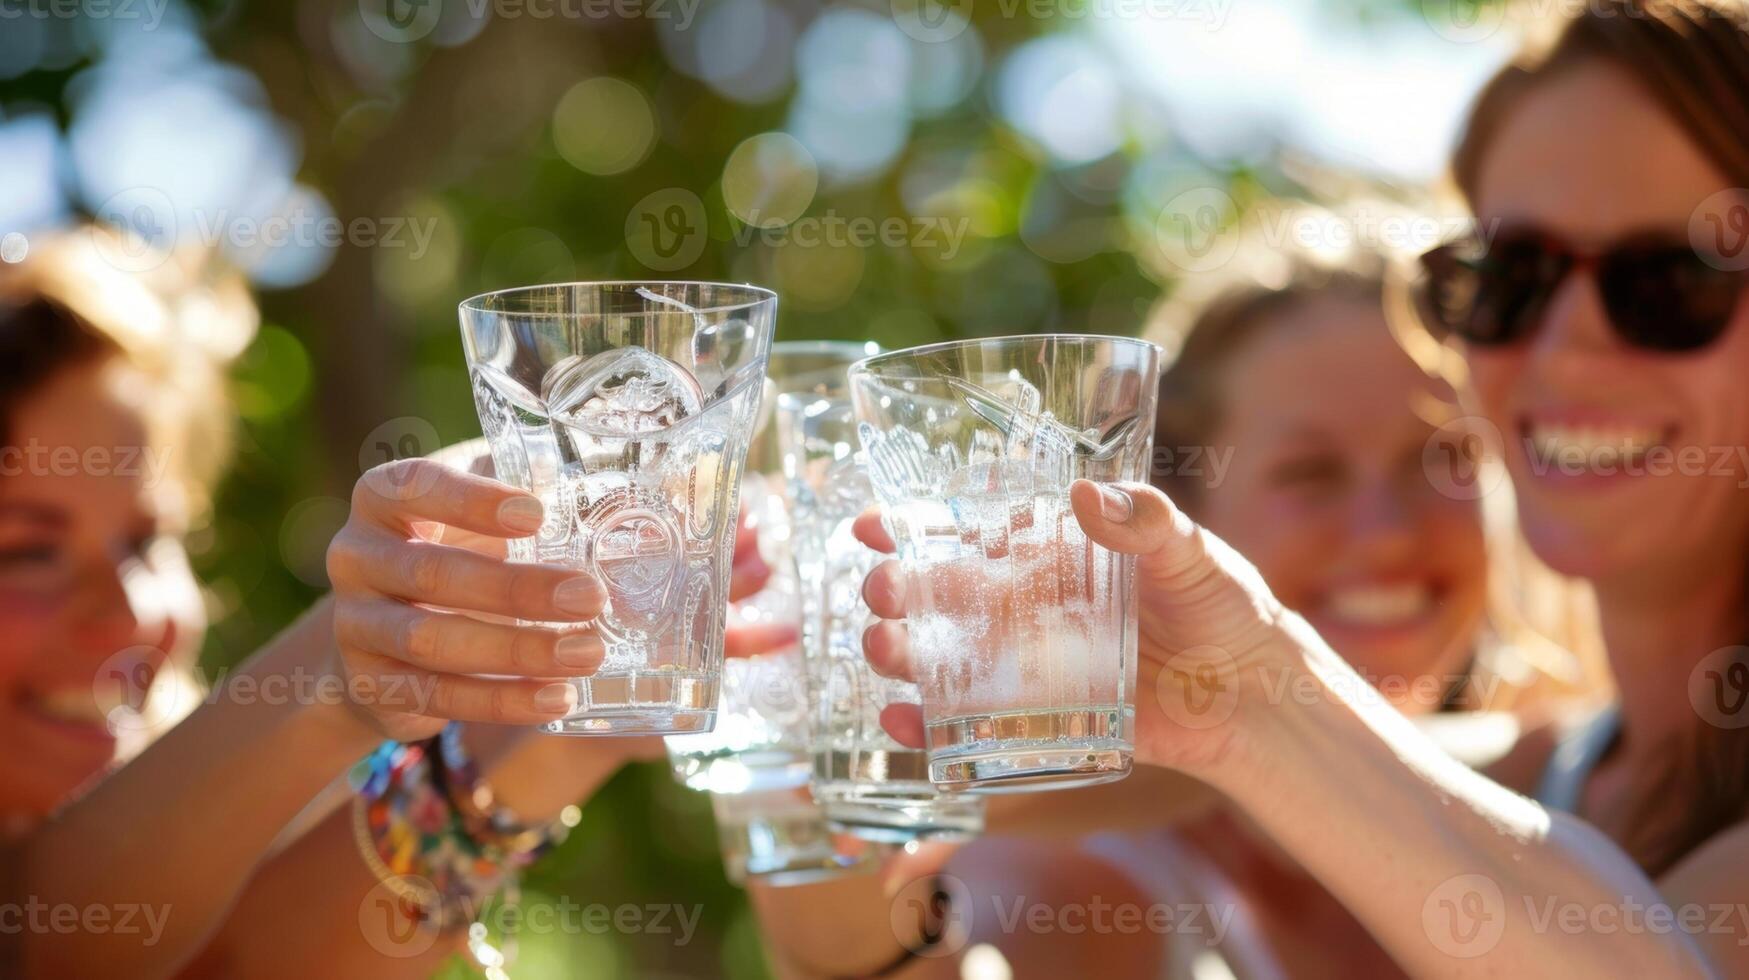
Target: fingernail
<point x="556" y="697"/>
<point x="580" y="595"/>
<point x="877" y="591"/>
<point x="1115" y="505"/>
<point x="521" y="514"/>
<point x="577" y="650"/>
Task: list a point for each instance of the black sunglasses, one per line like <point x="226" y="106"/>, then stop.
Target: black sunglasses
<point x="1660" y="294"/>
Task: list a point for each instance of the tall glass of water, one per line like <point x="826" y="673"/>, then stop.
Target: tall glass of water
<point x="867" y="782"/>
<point x="627" y="408"/>
<point x="1022" y="630"/>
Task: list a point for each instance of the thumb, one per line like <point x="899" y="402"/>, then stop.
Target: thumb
<point x="1173" y="551"/>
<point x="1136" y="519"/>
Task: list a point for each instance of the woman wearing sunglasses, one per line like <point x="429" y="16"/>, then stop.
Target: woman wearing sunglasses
<point x="1293" y="423"/>
<point x="1602" y="320"/>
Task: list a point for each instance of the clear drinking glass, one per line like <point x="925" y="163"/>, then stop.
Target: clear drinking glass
<point x="867" y="783"/>
<point x="627" y="408"/>
<point x="780" y="837"/>
<point x="761" y="738"/>
<point x="1022" y="630"/>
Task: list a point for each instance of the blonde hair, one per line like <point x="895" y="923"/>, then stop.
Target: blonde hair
<point x="178" y="318"/>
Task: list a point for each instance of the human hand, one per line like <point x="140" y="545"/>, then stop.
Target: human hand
<point x="419" y="620"/>
<point x="1206" y="622"/>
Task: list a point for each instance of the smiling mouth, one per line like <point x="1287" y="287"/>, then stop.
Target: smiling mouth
<point x="1591" y="449"/>
<point x="1381" y="606"/>
<point x="70" y="710"/>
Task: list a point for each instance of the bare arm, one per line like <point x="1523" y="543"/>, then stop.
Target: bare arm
<point x="1452" y="873"/>
<point x="316" y="910"/>
<point x="175" y="833"/>
<point x="178" y="832"/>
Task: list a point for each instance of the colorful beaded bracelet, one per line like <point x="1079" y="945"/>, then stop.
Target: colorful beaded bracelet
<point x="431" y="832"/>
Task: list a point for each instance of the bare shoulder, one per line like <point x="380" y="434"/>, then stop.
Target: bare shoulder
<point x="1709" y="897"/>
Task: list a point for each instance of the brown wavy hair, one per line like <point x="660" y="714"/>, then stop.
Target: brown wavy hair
<point x="1692" y="57"/>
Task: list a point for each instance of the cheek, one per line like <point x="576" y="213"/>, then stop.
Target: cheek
<point x="27" y="627"/>
<point x="1493" y="374"/>
<point x="1455" y="536"/>
<point x="1290" y="543"/>
<point x="1714" y="386"/>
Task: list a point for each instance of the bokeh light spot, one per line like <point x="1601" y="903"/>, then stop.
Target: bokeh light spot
<point x="604" y="126"/>
<point x="770" y="180"/>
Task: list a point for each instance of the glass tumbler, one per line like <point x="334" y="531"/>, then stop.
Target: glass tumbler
<point x="627" y="408"/>
<point x="1023" y="631"/>
<point x="867" y="783"/>
<point x="761" y="739"/>
<point x="779" y="837"/>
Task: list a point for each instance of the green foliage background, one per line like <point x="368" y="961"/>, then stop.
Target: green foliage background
<point x="368" y="352"/>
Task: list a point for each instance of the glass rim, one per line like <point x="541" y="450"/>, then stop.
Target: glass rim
<point x="828" y="346"/>
<point x="872" y="363"/>
<point x="759" y="295"/>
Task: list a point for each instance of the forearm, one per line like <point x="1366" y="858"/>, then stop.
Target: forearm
<point x="180" y="829"/>
<point x="316" y="908"/>
<point x="1454" y="874"/>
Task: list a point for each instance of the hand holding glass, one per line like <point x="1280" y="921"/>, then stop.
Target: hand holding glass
<point x="1023" y="631"/>
<point x="627" y="408"/>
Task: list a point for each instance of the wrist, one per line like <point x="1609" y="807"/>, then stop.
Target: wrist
<point x="1298" y="703"/>
<point x="298" y="681"/>
<point x="1228" y="714"/>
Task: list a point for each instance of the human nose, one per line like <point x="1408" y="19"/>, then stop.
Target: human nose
<point x="1575" y="330"/>
<point x="1381" y="520"/>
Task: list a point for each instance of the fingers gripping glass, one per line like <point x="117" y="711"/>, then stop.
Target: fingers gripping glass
<point x="1660" y="293"/>
<point x="1023" y="632"/>
<point x="627" y="409"/>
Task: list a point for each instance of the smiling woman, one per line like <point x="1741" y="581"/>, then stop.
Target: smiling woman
<point x="96" y="597"/>
<point x="111" y="364"/>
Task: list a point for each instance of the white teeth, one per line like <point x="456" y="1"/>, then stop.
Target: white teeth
<point x="1374" y="605"/>
<point x="70" y="705"/>
<point x="1600" y="447"/>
